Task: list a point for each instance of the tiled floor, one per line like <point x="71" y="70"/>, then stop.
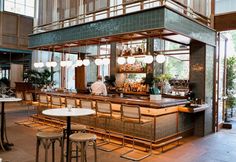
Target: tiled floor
<point x="218" y="147"/>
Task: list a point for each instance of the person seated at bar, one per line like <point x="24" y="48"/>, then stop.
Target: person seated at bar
<point x="110" y="82"/>
<point x="98" y="87"/>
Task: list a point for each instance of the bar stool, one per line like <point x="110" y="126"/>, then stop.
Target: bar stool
<point x="43" y="101"/>
<point x="56" y="102"/>
<point x="104" y="110"/>
<point x="86" y="104"/>
<point x="48" y="139"/>
<point x="131" y="114"/>
<point x="71" y="101"/>
<point x="83" y="139"/>
<point x="29" y="101"/>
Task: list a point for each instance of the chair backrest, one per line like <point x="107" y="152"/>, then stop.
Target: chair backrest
<point x="103" y="107"/>
<point x="71" y="101"/>
<point x="56" y="100"/>
<point x="43" y="98"/>
<point x="86" y="104"/>
<point x="28" y="97"/>
<point x="130" y="111"/>
<point x="19" y="94"/>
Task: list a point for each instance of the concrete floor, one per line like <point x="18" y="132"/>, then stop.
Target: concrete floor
<point x="217" y="147"/>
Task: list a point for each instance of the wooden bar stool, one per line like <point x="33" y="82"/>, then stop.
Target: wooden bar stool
<point x="71" y="101"/>
<point x="86" y="104"/>
<point x="83" y="139"/>
<point x="43" y="102"/>
<point x="56" y="101"/>
<point x="131" y="114"/>
<point x="48" y="139"/>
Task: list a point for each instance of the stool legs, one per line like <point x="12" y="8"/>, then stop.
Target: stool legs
<point x="37" y="150"/>
<point x="83" y="154"/>
<point x="46" y="144"/>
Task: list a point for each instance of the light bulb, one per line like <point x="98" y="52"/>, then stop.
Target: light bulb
<point x="106" y="61"/>
<point x="130" y="60"/>
<point x="98" y="61"/>
<point x="121" y="60"/>
<point x="148" y="59"/>
<point x="160" y="58"/>
<point x="63" y="63"/>
<point x="86" y="62"/>
<point x="48" y="64"/>
<point x="40" y="64"/>
<point x="36" y="65"/>
<point x="79" y="63"/>
<point x="53" y="64"/>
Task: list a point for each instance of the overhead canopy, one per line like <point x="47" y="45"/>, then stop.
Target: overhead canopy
<point x="156" y="22"/>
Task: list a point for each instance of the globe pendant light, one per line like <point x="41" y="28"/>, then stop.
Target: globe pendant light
<point x="106" y="61"/>
<point x="130" y="60"/>
<point x="63" y="63"/>
<point x="148" y="59"/>
<point x="40" y="64"/>
<point x="79" y="63"/>
<point x="160" y="58"/>
<point x="121" y="60"/>
<point x="98" y="61"/>
<point x="86" y="62"/>
<point x="53" y="64"/>
<point x="36" y="65"/>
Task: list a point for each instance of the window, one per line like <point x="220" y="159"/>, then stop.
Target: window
<point x="96" y="5"/>
<point x="22" y="7"/>
<point x="70" y="71"/>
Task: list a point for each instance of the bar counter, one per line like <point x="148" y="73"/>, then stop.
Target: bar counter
<point x="133" y="100"/>
<point x="169" y="116"/>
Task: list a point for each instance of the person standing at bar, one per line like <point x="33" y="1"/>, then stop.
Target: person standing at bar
<point x="98" y="87"/>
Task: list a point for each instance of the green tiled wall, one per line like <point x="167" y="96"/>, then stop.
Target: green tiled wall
<point x="139" y="21"/>
<point x="189" y="28"/>
<point x="154" y="18"/>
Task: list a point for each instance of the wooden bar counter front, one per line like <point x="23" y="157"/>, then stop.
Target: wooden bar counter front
<point x="169" y="117"/>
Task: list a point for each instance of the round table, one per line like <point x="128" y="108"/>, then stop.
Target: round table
<point x="5" y="145"/>
<point x="64" y="112"/>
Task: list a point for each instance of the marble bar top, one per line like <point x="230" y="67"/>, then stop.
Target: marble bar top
<point x="164" y="102"/>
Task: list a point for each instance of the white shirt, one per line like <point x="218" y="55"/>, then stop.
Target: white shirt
<point x="99" y="88"/>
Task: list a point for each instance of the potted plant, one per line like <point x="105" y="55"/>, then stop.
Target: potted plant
<point x="39" y="79"/>
<point x="163" y="82"/>
<point x="230" y="86"/>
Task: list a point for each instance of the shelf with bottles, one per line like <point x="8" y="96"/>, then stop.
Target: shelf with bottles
<point x="133" y="84"/>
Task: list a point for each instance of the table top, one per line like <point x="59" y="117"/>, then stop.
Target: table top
<point x="10" y="99"/>
<point x="66" y="112"/>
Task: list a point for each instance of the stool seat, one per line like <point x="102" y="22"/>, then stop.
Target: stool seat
<point x="82" y="137"/>
<point x="50" y="135"/>
<point x="76" y="127"/>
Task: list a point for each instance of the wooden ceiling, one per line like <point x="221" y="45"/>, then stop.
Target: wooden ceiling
<point x="163" y="34"/>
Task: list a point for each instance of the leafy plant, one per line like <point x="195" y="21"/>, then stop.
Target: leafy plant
<point x="39" y="79"/>
<point x="230" y="84"/>
<point x="163" y="77"/>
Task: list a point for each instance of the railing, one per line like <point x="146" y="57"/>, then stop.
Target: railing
<point x="122" y="9"/>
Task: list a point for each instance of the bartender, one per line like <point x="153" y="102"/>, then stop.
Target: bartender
<point x="98" y="87"/>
